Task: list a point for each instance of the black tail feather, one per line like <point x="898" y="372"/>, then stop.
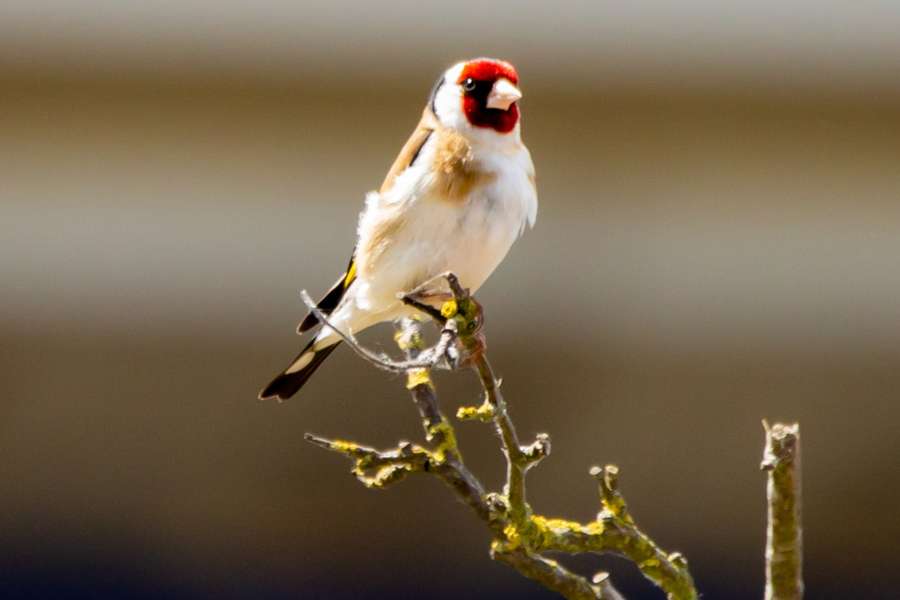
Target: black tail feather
<point x="334" y="296"/>
<point x="327" y="304"/>
<point x="287" y="384"/>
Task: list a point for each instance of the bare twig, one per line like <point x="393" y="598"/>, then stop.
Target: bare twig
<point x="784" y="539"/>
<point x="428" y="360"/>
<point x="554" y="576"/>
<point x="517" y="461"/>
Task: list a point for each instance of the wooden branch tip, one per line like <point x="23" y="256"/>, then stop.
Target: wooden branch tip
<point x="538" y="450"/>
<point x="781" y="444"/>
<point x="600" y="577"/>
<point x="608" y="484"/>
<point x="784" y="533"/>
<point x="611" y="478"/>
<point x="604" y="587"/>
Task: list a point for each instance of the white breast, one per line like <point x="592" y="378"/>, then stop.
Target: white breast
<point x="469" y="238"/>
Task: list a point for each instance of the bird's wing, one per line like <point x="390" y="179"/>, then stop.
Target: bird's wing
<point x="411" y="149"/>
<point x="334" y="296"/>
<point x="408" y="155"/>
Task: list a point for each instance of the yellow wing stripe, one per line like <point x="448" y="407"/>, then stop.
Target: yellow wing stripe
<point x="351" y="275"/>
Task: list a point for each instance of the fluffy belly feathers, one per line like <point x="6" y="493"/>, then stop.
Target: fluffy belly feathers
<point x="469" y="238"/>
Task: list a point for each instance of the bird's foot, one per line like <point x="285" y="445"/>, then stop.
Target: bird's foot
<point x="459" y="311"/>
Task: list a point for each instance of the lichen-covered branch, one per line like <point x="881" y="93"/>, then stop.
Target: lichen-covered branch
<point x="448" y="463"/>
<point x="377" y="468"/>
<point x="520" y="537"/>
<point x="615" y="531"/>
<point x="784" y="539"/>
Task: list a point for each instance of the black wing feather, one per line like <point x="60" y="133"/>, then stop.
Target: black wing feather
<point x="334" y="296"/>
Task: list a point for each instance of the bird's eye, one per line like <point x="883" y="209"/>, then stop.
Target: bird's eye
<point x="469" y="85"/>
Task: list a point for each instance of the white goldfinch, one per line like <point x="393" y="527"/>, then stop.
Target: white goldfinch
<point x="456" y="198"/>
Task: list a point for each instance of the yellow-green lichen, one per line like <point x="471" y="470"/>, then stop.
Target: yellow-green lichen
<point x="344" y="446"/>
<point x="418" y="377"/>
<point x="615" y="504"/>
<point x="484" y="413"/>
<point x="561" y="533"/>
<point x="543" y="523"/>
<point x="513" y="538"/>
<point x="594" y="528"/>
<point x="446" y="440"/>
<point x="502" y="546"/>
<point x="383" y="476"/>
<point x="464" y="312"/>
<point x="407" y="340"/>
<point x="449" y="309"/>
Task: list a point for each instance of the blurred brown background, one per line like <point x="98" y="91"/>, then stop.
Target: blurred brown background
<point x="718" y="241"/>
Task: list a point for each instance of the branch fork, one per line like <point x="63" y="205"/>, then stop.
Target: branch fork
<point x="520" y="537"/>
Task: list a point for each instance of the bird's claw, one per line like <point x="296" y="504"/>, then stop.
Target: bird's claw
<point x="459" y="311"/>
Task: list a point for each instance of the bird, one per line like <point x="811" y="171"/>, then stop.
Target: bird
<point x="458" y="195"/>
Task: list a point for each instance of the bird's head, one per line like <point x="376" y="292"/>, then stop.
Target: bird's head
<point x="480" y="94"/>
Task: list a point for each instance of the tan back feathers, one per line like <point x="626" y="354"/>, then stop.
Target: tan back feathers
<point x="456" y="173"/>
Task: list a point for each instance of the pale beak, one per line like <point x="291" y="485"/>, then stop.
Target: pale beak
<point x="503" y="94"/>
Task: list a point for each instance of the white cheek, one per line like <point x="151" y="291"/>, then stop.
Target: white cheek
<point x="448" y="106"/>
<point x="448" y="101"/>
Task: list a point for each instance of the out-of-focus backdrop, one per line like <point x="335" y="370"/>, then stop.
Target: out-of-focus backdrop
<point x="718" y="241"/>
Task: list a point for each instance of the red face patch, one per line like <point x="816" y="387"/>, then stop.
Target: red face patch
<point x="481" y="75"/>
<point x="488" y="70"/>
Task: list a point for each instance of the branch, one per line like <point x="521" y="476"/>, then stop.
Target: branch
<point x="615" y="531"/>
<point x="520" y="536"/>
<point x="428" y="360"/>
<point x="553" y="576"/>
<point x="517" y="460"/>
<point x="448" y="464"/>
<point x="784" y="539"/>
<point x="374" y="468"/>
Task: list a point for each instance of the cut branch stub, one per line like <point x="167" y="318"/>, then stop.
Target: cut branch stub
<point x="604" y="588"/>
<point x="538" y="450"/>
<point x="784" y="535"/>
<point x="608" y="484"/>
